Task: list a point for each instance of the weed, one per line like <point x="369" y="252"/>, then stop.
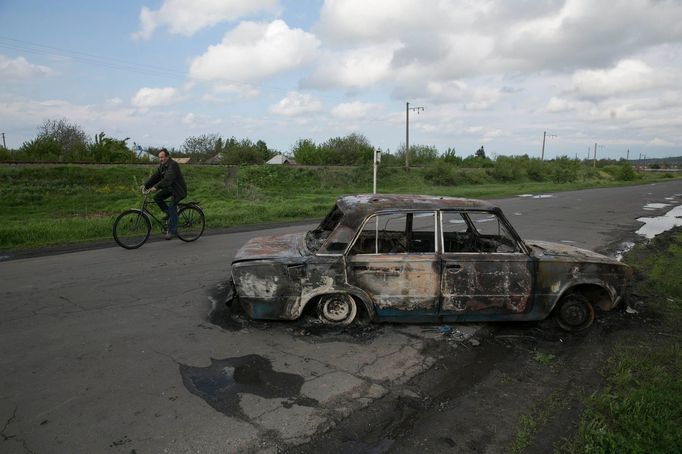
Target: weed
<point x="544" y="358"/>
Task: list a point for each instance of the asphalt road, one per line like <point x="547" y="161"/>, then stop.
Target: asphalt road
<point x="110" y="350"/>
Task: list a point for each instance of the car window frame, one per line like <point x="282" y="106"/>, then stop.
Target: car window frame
<point x="497" y="213"/>
<point x="361" y="227"/>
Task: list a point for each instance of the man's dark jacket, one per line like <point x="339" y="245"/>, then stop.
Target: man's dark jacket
<point x="169" y="177"/>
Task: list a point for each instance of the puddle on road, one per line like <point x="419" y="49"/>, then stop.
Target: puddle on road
<point x="221" y="383"/>
<point x="655" y="206"/>
<point x="537" y="196"/>
<point x="659" y="224"/>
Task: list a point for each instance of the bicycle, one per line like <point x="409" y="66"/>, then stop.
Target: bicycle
<point x="133" y="226"/>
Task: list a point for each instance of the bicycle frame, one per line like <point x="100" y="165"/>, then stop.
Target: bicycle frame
<point x="144" y="209"/>
<point x="161" y="223"/>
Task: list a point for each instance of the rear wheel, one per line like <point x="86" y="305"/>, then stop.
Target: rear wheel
<point x="337" y="309"/>
<point x="191" y="223"/>
<point x="131" y="229"/>
<point x="574" y="313"/>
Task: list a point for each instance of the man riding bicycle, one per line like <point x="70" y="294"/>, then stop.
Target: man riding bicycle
<point x="169" y="182"/>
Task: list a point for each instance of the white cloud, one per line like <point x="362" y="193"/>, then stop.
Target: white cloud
<point x="587" y="33"/>
<point x="255" y="51"/>
<point x="20" y="68"/>
<point x="627" y="77"/>
<point x="386" y="20"/>
<point x="661" y="143"/>
<point x="189" y="119"/>
<point x="113" y="102"/>
<point x="153" y="97"/>
<point x="296" y="103"/>
<point x="356" y="68"/>
<point x="186" y="17"/>
<point x="472" y="98"/>
<point x="353" y="110"/>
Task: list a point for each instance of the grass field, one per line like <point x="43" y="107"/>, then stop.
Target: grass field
<point x="640" y="408"/>
<point x="45" y="205"/>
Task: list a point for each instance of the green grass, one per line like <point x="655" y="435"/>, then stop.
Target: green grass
<point x="528" y="424"/>
<point x="640" y="408"/>
<point x="44" y="205"/>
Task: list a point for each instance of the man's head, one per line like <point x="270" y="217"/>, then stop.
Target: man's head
<point x="164" y="156"/>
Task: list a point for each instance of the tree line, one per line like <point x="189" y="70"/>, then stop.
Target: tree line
<point x="60" y="140"/>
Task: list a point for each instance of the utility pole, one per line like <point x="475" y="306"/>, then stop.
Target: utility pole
<point x="407" y="132"/>
<point x="594" y="161"/>
<point x="628" y="155"/>
<point x="3" y="141"/>
<point x="544" y="135"/>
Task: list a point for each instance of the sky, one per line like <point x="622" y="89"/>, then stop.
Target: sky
<point x="497" y="73"/>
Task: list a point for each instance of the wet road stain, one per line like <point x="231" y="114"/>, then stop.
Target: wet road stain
<point x="220" y="384"/>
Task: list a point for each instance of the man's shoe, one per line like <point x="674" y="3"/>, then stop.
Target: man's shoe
<point x="169" y="236"/>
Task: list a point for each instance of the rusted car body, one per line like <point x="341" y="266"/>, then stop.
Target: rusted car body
<point x="406" y="258"/>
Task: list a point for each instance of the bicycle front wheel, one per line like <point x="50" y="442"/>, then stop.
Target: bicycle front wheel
<point x="191" y="223"/>
<point x="131" y="229"/>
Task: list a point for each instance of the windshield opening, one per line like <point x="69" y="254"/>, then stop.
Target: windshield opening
<point x="315" y="238"/>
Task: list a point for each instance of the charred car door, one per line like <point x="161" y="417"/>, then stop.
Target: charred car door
<point x="394" y="260"/>
<point x="485" y="268"/>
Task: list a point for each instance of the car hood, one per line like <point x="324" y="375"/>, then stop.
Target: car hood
<point x="549" y="249"/>
<point x="271" y="247"/>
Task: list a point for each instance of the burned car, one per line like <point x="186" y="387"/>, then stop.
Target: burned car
<point x="403" y="258"/>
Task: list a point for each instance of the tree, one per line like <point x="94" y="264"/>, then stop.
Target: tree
<point x="108" y="149"/>
<point x="480" y="153"/>
<point x="305" y="151"/>
<point x="354" y="149"/>
<point x="70" y="138"/>
<point x="202" y="146"/>
<point x="245" y="152"/>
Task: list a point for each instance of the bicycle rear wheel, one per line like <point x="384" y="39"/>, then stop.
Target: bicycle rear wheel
<point x="131" y="229"/>
<point x="191" y="223"/>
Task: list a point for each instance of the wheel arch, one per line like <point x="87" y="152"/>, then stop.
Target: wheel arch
<point x="599" y="294"/>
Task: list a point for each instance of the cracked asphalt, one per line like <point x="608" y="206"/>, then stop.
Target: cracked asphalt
<point x="110" y="350"/>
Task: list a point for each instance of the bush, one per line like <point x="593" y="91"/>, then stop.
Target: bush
<point x="42" y="148"/>
<point x="441" y="173"/>
<point x="536" y="170"/>
<point x="508" y="169"/>
<point x="625" y="172"/>
<point x="565" y="170"/>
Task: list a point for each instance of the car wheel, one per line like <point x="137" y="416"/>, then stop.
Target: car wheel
<point x="574" y="313"/>
<point x="337" y="309"/>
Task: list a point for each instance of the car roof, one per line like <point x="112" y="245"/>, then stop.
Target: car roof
<point x="371" y="203"/>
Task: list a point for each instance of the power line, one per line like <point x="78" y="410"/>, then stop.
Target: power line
<point x="92" y="59"/>
<point x="123" y="65"/>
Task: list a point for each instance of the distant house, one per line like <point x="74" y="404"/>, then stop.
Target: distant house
<point x="182" y="160"/>
<point x="281" y="159"/>
<point x="217" y="159"/>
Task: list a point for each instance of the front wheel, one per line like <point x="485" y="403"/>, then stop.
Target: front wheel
<point x="337" y="309"/>
<point x="575" y="313"/>
<point x="131" y="229"/>
<point x="191" y="223"/>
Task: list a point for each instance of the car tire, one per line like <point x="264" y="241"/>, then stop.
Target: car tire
<point x="337" y="309"/>
<point x="574" y="313"/>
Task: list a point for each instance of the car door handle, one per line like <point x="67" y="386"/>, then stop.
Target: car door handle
<point x="453" y="268"/>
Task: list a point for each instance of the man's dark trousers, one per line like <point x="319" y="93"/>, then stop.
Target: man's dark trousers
<point x="171" y="209"/>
